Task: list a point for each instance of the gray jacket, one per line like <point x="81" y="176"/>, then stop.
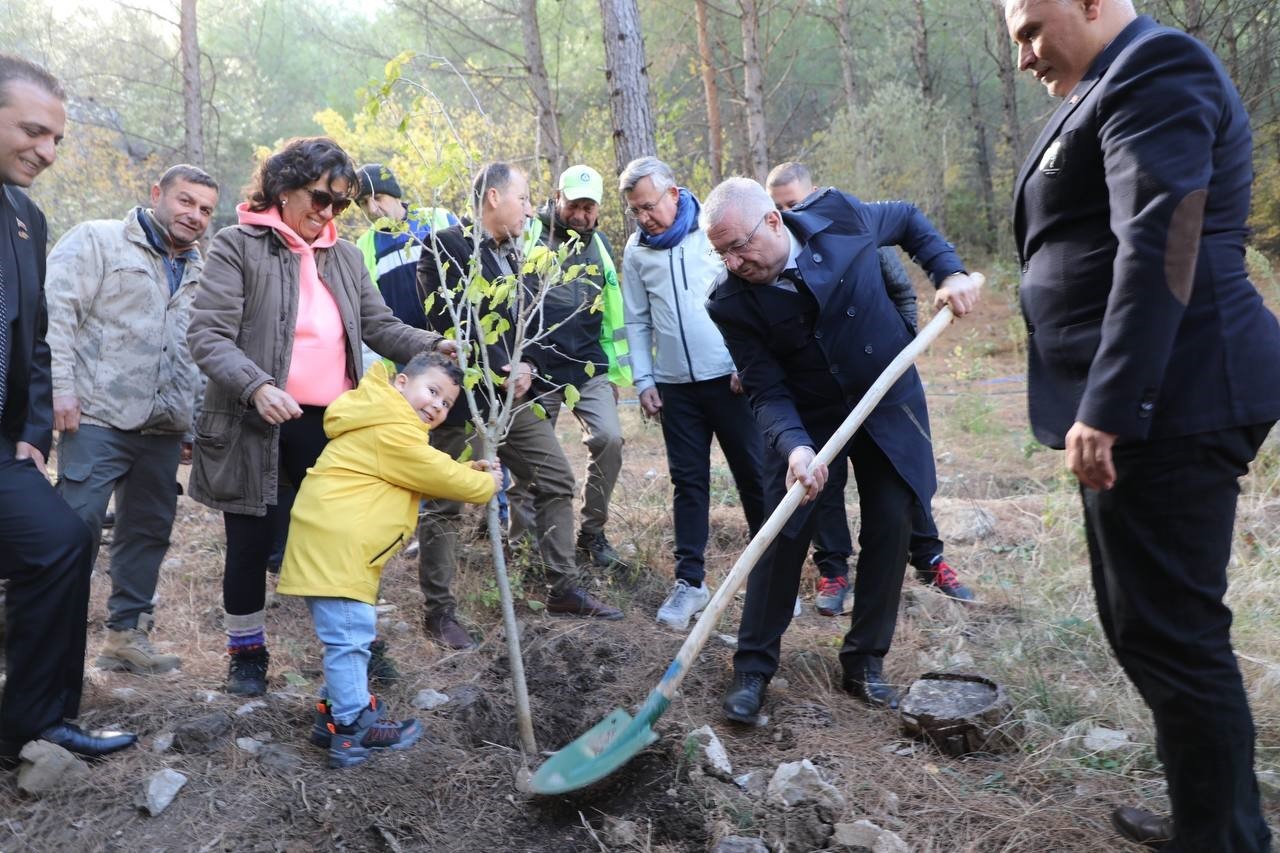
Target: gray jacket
<point x="664" y="295"/>
<point x="117" y="338"/>
<point x="241" y="336"/>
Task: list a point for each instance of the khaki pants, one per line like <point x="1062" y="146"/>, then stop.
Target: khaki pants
<point x="532" y="455"/>
<point x="597" y="413"/>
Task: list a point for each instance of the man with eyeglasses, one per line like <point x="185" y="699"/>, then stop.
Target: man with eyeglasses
<point x="125" y="388"/>
<point x="682" y="370"/>
<point x="791" y="185"/>
<point x="804" y="312"/>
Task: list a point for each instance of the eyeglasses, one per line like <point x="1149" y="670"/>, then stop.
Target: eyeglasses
<point x="634" y="212"/>
<point x="737" y="247"/>
<point x="320" y="199"/>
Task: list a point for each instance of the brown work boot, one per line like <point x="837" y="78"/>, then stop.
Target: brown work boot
<point x="442" y="626"/>
<point x="130" y="650"/>
<point x="576" y="601"/>
<point x="1142" y="827"/>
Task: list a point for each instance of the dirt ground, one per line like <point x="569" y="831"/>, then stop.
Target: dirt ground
<point x="1033" y="631"/>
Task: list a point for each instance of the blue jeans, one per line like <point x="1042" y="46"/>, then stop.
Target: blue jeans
<point x="346" y="627"/>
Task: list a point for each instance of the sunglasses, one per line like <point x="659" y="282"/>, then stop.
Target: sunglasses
<point x="320" y="199"/>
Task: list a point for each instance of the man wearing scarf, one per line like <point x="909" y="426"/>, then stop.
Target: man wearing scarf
<point x="124" y="388"/>
<point x="682" y="369"/>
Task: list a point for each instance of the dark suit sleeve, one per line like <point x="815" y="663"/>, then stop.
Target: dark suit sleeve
<point x="763" y="379"/>
<point x="38" y="429"/>
<point x="447" y="258"/>
<point x="902" y="224"/>
<point x="1159" y="115"/>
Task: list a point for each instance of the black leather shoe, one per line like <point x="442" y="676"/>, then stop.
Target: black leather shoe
<point x="745" y="697"/>
<point x="92" y="744"/>
<point x="578" y="602"/>
<point x="1142" y="827"/>
<point x="868" y="684"/>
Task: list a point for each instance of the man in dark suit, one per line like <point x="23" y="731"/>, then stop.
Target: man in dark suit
<point x="45" y="550"/>
<point x="1154" y="362"/>
<point x="490" y="246"/>
<point x="804" y="312"/>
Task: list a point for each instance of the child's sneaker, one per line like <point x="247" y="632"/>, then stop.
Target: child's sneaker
<point x="352" y="745"/>
<point x="321" y="718"/>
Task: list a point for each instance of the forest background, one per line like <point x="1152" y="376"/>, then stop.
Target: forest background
<point x="914" y="99"/>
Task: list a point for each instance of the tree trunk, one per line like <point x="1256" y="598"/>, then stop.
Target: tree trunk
<point x="753" y="83"/>
<point x="844" y="35"/>
<point x="627" y="76"/>
<point x="715" y="140"/>
<point x="193" y="105"/>
<point x="920" y="52"/>
<point x="1008" y="73"/>
<point x="982" y="155"/>
<point x="540" y="86"/>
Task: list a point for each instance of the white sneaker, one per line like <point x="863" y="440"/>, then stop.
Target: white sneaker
<point x="799" y="608"/>
<point x="683" y="604"/>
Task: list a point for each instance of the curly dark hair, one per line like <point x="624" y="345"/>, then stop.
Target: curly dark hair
<point x="298" y="163"/>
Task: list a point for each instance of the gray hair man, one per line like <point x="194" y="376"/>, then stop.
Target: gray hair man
<point x="804" y="312"/>
<point x="790" y="184"/>
<point x="125" y="388"/>
<point x="682" y="369"/>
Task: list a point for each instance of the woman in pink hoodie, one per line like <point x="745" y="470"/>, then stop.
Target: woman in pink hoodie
<point x="278" y="320"/>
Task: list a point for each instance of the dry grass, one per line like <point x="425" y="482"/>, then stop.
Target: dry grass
<point x="1036" y="632"/>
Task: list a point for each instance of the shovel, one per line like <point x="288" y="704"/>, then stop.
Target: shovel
<point x="613" y="741"/>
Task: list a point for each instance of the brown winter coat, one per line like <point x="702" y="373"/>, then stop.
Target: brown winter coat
<point x="241" y="336"/>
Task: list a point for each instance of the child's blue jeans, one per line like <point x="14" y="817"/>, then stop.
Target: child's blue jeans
<point x="346" y="627"/>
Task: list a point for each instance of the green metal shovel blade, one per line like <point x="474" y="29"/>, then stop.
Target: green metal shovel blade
<point x="604" y="748"/>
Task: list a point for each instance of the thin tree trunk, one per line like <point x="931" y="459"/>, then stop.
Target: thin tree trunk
<point x="936" y="202"/>
<point x="193" y="105"/>
<point x="753" y="82"/>
<point x="844" y="35"/>
<point x="1007" y="72"/>
<point x="540" y="86"/>
<point x="715" y="140"/>
<point x="982" y="154"/>
<point x="627" y="76"/>
<point x="920" y="52"/>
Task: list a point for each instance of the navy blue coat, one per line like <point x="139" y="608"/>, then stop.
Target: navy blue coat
<point x="1130" y="224"/>
<point x="806" y="360"/>
<point x="28" y="411"/>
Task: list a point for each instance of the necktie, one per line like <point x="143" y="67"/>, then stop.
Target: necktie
<point x="4" y="341"/>
<point x="792" y="274"/>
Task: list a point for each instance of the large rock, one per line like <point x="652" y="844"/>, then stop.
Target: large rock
<point x="963" y="524"/>
<point x="202" y="734"/>
<point x="863" y="836"/>
<point x="959" y="713"/>
<point x="798" y="782"/>
<point x="712" y="757"/>
<point x="46" y="767"/>
<point x="738" y="844"/>
<point x="428" y="699"/>
<point x="160" y="791"/>
<point x="284" y="760"/>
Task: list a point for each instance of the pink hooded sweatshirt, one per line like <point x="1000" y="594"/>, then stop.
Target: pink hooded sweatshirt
<point x="318" y="364"/>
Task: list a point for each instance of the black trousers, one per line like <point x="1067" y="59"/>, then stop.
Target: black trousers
<point x="1159" y="544"/>
<point x="46" y="555"/>
<point x="693" y="412"/>
<point x="252" y="538"/>
<point x="883" y="531"/>
<point x="833" y="546"/>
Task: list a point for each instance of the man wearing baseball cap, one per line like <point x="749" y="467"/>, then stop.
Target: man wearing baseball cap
<point x="586" y="349"/>
<point x="391" y="249"/>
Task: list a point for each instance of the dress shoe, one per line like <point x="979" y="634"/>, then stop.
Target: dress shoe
<point x="576" y="601"/>
<point x="91" y="744"/>
<point x="868" y="684"/>
<point x="1142" y="827"/>
<point x="745" y="697"/>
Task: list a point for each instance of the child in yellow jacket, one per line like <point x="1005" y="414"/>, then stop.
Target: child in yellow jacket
<point x="356" y="508"/>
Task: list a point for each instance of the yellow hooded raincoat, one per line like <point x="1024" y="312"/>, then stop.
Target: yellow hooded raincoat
<point x="359" y="505"/>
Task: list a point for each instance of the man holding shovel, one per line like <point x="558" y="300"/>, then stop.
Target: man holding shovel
<point x="804" y="312"/>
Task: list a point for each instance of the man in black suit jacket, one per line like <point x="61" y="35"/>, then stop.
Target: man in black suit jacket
<point x="1154" y="362"/>
<point x="45" y="550"/>
<point x="804" y="312"/>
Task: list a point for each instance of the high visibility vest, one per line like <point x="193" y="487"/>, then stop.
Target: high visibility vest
<point x="613" y="325"/>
